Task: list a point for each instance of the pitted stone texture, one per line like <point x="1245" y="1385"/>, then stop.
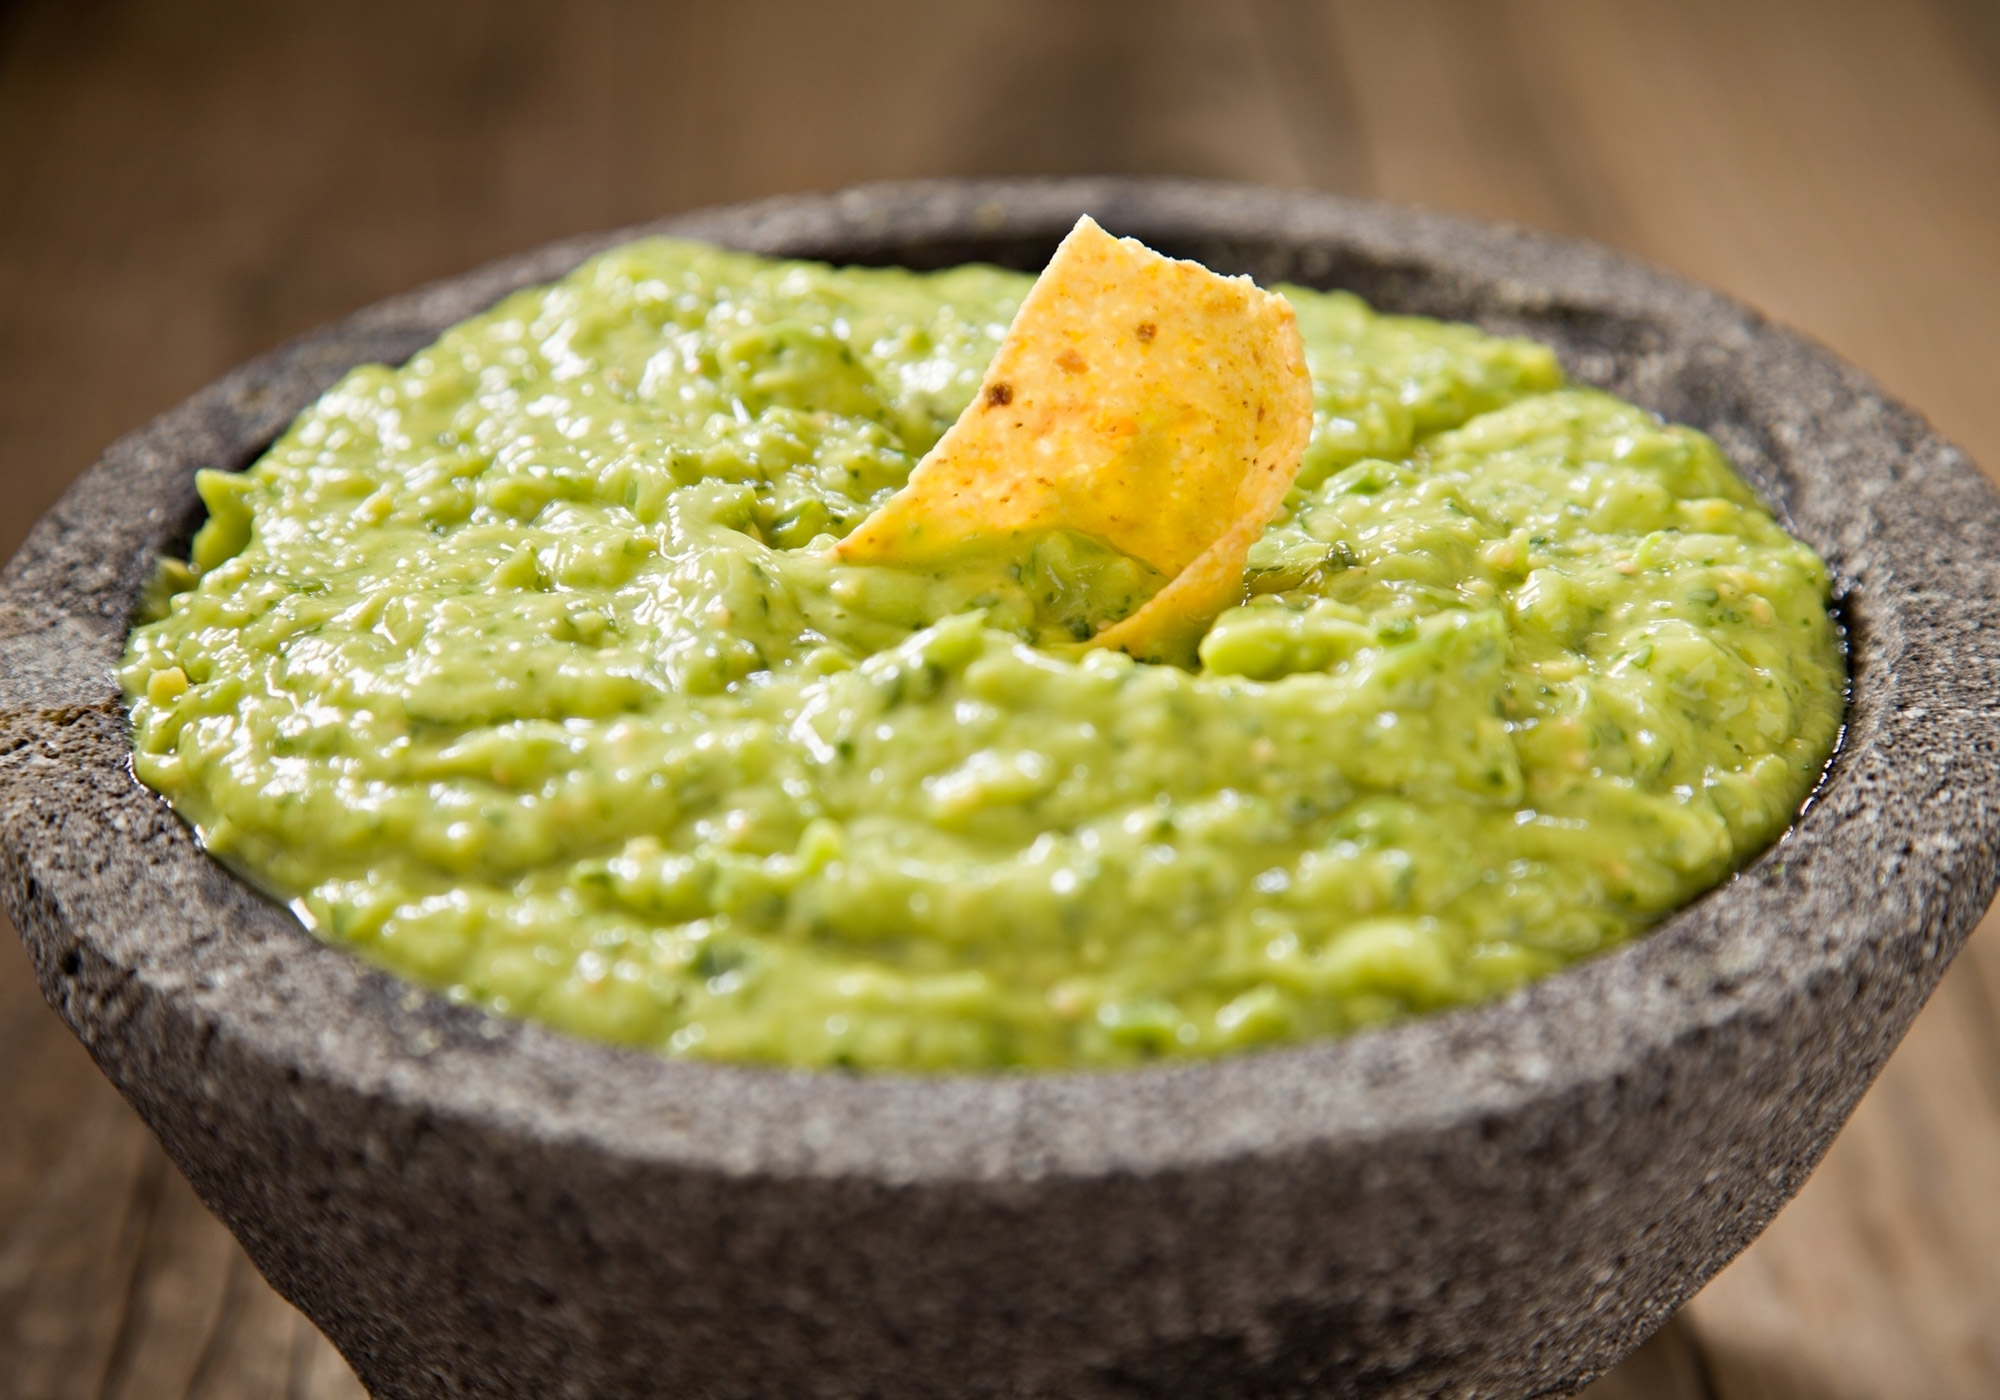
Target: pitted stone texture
<point x="1496" y="1202"/>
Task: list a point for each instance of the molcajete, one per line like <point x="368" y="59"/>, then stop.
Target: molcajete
<point x="1499" y="1201"/>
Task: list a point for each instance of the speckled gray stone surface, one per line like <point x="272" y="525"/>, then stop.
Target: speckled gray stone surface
<point x="1497" y="1202"/>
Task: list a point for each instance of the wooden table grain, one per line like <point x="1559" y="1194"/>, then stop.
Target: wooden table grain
<point x="182" y="185"/>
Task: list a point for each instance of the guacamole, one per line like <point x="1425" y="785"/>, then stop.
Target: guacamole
<point x="524" y="672"/>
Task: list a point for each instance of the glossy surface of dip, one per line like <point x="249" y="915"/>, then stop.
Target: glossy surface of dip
<point x="520" y="671"/>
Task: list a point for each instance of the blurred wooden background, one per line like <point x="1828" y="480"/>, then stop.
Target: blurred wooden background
<point x="183" y="184"/>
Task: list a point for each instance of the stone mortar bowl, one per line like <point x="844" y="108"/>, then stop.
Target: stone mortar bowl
<point x="1495" y="1202"/>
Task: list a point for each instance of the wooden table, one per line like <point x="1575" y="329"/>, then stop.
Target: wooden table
<point x="184" y="184"/>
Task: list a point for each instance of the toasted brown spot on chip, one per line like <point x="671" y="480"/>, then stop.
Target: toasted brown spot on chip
<point x="1177" y="454"/>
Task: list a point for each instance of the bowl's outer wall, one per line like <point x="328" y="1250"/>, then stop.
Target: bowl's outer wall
<point x="1498" y="1202"/>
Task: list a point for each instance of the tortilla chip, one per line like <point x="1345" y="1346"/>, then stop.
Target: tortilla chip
<point x="1142" y="400"/>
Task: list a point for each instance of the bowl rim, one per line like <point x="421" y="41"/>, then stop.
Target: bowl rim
<point x="1733" y="953"/>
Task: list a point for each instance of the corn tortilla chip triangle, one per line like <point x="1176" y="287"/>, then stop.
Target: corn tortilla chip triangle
<point x="1142" y="400"/>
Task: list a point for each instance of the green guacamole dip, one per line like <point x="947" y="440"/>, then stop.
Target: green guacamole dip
<point x="519" y="671"/>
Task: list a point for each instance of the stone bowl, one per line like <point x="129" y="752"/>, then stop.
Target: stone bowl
<point x="1500" y="1201"/>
